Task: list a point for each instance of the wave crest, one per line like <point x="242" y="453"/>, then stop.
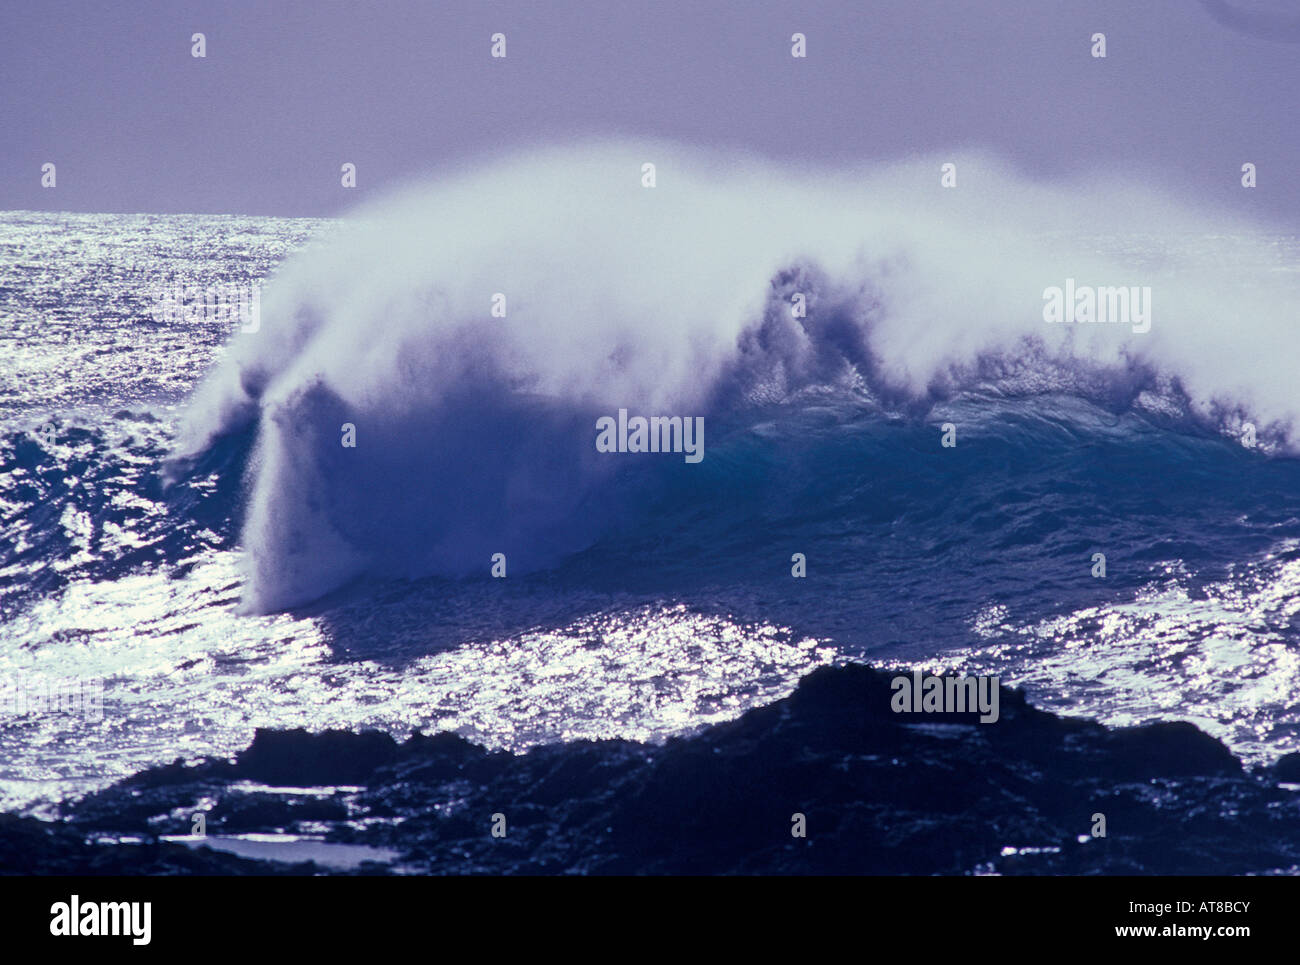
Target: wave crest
<point x="475" y="434"/>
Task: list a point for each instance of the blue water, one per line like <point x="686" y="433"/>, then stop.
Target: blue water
<point x="191" y="536"/>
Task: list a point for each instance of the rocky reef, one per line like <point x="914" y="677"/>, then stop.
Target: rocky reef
<point x="878" y="792"/>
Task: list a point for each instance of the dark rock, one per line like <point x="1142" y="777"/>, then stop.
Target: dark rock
<point x="295" y="757"/>
<point x="1168" y="749"/>
<point x="1287" y="768"/>
<point x="878" y="793"/>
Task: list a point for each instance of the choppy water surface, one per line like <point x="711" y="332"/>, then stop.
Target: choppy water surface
<point x="678" y="610"/>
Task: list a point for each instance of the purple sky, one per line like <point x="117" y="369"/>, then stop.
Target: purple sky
<point x="289" y="91"/>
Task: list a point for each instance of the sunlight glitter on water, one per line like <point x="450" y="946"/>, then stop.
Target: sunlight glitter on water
<point x="1223" y="644"/>
<point x="185" y="676"/>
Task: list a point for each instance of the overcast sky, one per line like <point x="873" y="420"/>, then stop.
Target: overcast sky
<point x="110" y="93"/>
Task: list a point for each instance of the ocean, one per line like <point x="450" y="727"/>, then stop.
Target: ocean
<point x="189" y="541"/>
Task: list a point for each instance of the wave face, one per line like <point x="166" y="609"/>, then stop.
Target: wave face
<point x="476" y="434"/>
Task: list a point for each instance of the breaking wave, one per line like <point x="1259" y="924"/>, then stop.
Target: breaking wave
<point x="475" y="434"/>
